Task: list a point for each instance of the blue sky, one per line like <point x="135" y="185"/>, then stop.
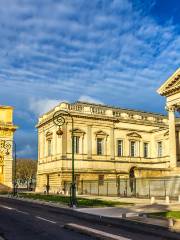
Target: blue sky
<point x="116" y="52"/>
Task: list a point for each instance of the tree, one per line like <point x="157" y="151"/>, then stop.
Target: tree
<point x="26" y="170"/>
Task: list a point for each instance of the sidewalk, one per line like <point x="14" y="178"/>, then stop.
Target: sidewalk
<point x="132" y="200"/>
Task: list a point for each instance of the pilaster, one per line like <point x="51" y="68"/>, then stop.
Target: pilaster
<point x="89" y="141"/>
<point x="172" y="136"/>
<point x="112" y="143"/>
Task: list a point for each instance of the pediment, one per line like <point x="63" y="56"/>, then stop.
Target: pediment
<point x="101" y="133"/>
<point x="134" y="135"/>
<point x="78" y="131"/>
<point x="171" y="86"/>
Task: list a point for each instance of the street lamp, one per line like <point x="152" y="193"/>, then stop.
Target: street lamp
<point x="59" y="120"/>
<point x="7" y="146"/>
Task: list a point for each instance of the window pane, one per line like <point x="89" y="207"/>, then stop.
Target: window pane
<point x="133" y="149"/>
<point x="159" y="149"/>
<point x="101" y="179"/>
<point x="76" y="144"/>
<point x="99" y="146"/>
<point x="120" y="148"/>
<point x="49" y="147"/>
<point x="146" y="150"/>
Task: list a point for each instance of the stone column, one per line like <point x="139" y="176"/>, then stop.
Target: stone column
<point x="43" y="145"/>
<point x="89" y="142"/>
<point x="112" y="143"/>
<point x="82" y="150"/>
<point x="172" y="136"/>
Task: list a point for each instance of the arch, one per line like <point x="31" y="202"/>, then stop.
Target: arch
<point x="131" y="172"/>
<point x="132" y="180"/>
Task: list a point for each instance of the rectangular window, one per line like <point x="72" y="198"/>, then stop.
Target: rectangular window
<point x="99" y="146"/>
<point x="120" y="148"/>
<point x="49" y="142"/>
<point x="146" y="148"/>
<point x="76" y="144"/>
<point x="101" y="179"/>
<point x="132" y="148"/>
<point x="159" y="149"/>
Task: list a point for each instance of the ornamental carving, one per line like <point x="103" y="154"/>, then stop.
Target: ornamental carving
<point x="5" y="147"/>
<point x="171" y="108"/>
<point x="5" y="133"/>
<point x="1" y="159"/>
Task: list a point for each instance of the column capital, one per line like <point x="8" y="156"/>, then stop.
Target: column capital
<point x="171" y="108"/>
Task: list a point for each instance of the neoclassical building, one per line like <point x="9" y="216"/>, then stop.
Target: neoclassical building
<point x="7" y="129"/>
<point x="110" y="142"/>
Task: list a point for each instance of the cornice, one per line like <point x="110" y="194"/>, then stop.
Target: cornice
<point x="80" y="115"/>
<point x="105" y="113"/>
<point x="107" y="118"/>
<point x="107" y="107"/>
<point x="167" y="88"/>
<point x="8" y="127"/>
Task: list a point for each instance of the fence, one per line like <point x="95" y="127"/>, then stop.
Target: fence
<point x="134" y="187"/>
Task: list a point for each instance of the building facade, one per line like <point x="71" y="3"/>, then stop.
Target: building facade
<point x="7" y="129"/>
<point x="109" y="142"/>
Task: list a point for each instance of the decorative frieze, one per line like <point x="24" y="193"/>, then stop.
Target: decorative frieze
<point x="6" y="133"/>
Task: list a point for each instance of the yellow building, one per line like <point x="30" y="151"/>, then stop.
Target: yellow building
<point x="7" y="129"/>
<point x="110" y="142"/>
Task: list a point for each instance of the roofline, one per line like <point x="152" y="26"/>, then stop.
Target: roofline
<point x="159" y="90"/>
<point x="6" y="107"/>
<point x="50" y="111"/>
<point x="105" y="106"/>
<point x="118" y="108"/>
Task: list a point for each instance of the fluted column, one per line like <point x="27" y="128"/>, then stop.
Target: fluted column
<point x="172" y="136"/>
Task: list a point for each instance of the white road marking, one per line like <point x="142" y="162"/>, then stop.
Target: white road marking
<point x="10" y="208"/>
<point x="44" y="219"/>
<point x="26" y="213"/>
<point x="6" y="207"/>
<point x="94" y="232"/>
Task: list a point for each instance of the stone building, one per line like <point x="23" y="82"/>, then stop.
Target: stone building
<point x="109" y="142"/>
<point x="7" y="129"/>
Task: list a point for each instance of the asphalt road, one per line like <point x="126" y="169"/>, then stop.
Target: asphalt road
<point x="29" y="221"/>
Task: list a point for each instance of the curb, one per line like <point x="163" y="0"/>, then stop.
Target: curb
<point x="135" y="225"/>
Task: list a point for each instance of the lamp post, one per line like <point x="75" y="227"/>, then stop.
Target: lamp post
<point x="59" y="120"/>
<point x="7" y="146"/>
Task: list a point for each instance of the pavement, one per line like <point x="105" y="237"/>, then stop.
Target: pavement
<point x="21" y="220"/>
<point x="134" y="201"/>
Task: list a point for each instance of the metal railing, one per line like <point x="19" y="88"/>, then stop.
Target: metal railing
<point x="134" y="187"/>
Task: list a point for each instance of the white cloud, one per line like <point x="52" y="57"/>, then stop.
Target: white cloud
<point x="41" y="106"/>
<point x="111" y="50"/>
<point x="85" y="98"/>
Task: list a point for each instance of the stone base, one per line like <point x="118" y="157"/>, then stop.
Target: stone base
<point x="4" y="188"/>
